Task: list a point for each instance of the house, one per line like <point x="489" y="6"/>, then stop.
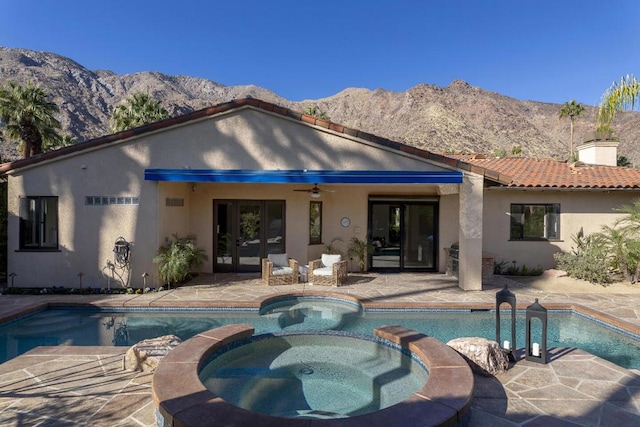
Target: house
<point x="249" y="178"/>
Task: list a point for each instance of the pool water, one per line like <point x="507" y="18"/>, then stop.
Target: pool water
<point x="313" y="375"/>
<point x="89" y="327"/>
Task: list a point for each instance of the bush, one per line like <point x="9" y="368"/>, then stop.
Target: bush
<point x="177" y="259"/>
<point x="585" y="267"/>
<point x="514" y="270"/>
<point x="498" y="267"/>
<point x="587" y="261"/>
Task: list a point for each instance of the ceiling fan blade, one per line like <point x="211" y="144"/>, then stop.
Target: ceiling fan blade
<point x="315" y="190"/>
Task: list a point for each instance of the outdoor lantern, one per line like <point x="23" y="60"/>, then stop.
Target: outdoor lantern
<point x="536" y="352"/>
<point x="509" y="297"/>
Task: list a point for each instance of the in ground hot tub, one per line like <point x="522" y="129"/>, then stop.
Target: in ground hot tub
<point x="229" y="377"/>
<point x="310" y="312"/>
<point x="314" y="375"/>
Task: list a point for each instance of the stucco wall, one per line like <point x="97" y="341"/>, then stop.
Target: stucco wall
<point x="251" y="139"/>
<point x="588" y="210"/>
<point x="247" y="139"/>
<point x="86" y="233"/>
<point x="449" y="226"/>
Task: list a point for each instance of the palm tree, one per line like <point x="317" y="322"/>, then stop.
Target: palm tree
<point x="137" y="110"/>
<point x="572" y="110"/>
<point x="620" y="96"/>
<point x="64" y="141"/>
<point x="29" y="117"/>
<point x="618" y="250"/>
<point x="630" y="227"/>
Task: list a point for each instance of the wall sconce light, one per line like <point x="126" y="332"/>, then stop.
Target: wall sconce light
<point x="506" y="296"/>
<point x="536" y="352"/>
<point x="193" y="187"/>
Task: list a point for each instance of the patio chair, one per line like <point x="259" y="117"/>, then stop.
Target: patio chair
<point x="279" y="269"/>
<point x="330" y="270"/>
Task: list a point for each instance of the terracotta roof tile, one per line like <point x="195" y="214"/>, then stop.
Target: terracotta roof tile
<point x="551" y="173"/>
<point x="308" y="119"/>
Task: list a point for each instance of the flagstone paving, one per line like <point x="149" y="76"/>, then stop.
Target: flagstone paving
<point x="69" y="386"/>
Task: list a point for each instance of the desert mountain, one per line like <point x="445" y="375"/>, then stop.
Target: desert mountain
<point x="455" y="118"/>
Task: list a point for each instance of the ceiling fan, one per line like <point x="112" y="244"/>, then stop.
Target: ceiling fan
<point x="314" y="192"/>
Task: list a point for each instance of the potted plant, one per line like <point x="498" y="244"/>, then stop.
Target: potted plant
<point x="177" y="259"/>
<point x="358" y="249"/>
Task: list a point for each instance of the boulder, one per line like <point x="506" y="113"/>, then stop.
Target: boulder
<point x="145" y="355"/>
<point x="484" y="357"/>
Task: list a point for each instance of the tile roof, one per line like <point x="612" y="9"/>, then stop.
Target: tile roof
<point x="511" y="172"/>
<point x="551" y="173"/>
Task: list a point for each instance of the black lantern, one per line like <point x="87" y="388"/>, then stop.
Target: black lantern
<point x="509" y="297"/>
<point x="536" y="352"/>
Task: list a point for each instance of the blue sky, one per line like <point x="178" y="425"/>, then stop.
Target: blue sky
<point x="550" y="51"/>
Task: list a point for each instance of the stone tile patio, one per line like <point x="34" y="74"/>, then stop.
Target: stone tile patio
<point x="69" y="386"/>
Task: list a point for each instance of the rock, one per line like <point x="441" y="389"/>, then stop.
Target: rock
<point x="145" y="355"/>
<point x="484" y="357"/>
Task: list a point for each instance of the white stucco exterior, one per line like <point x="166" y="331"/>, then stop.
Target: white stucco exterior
<point x="473" y="214"/>
<point x="247" y="139"/>
<point x="588" y="210"/>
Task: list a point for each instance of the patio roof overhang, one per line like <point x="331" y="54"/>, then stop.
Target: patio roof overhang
<point x="237" y="176"/>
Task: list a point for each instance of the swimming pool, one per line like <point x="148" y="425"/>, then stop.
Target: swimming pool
<point x="90" y="327"/>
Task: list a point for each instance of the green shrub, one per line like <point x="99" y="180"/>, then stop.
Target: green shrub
<point x="585" y="267"/>
<point x="513" y="269"/>
<point x="177" y="259"/>
<point x="587" y="260"/>
<point x="499" y="267"/>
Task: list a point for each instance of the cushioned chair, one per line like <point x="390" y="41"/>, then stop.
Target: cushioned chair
<point x="279" y="269"/>
<point x="329" y="270"/>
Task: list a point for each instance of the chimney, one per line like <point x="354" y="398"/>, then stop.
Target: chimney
<point x="595" y="151"/>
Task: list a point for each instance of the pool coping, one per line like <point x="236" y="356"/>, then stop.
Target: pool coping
<point x="444" y="399"/>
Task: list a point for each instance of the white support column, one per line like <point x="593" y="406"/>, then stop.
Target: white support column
<point x="470" y="234"/>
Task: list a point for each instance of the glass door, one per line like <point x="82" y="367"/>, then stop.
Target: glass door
<point x="249" y="239"/>
<point x="240" y="238"/>
<point x="403" y="235"/>
<point x="419" y="243"/>
<point x="224" y="236"/>
<point x="385" y="235"/>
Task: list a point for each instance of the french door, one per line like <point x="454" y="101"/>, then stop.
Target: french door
<point x="404" y="235"/>
<point x="245" y="231"/>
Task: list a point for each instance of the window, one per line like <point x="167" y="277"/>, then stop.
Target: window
<point x="315" y="223"/>
<point x="39" y="223"/>
<point x="535" y="222"/>
<point x="110" y="200"/>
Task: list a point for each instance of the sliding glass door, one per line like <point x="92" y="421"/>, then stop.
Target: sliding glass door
<point x="404" y="235"/>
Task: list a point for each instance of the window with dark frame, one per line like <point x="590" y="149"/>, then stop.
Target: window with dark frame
<point x="535" y="221"/>
<point x="39" y="223"/>
<point x="315" y="222"/>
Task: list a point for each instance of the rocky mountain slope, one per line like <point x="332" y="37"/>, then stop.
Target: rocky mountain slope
<point x="456" y="118"/>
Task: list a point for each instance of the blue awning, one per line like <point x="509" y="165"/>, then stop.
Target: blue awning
<point x="237" y="176"/>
